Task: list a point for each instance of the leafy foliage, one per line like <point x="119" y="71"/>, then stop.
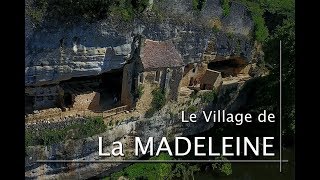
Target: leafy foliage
<point x="285" y="7"/>
<point x="147" y="170"/>
<point x="266" y="89"/>
<point x="222" y="168"/>
<point x="37" y="11"/>
<point x="226" y="7"/>
<point x="192" y="109"/>
<point x="75" y="10"/>
<point x="260" y="29"/>
<point x="184" y="171"/>
<point x="158" y="101"/>
<point x="208" y="96"/>
<point x="198" y="4"/>
<point x="140" y="91"/>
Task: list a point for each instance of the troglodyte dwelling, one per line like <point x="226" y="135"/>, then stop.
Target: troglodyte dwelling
<point x="153" y="64"/>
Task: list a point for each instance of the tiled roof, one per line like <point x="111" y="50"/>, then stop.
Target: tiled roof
<point x="159" y="54"/>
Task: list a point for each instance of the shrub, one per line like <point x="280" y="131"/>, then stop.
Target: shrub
<point x="159" y="98"/>
<point x="192" y="109"/>
<point x="225" y="7"/>
<point x="37" y="11"/>
<point x="124" y="9"/>
<point x="147" y="170"/>
<point x="91" y="127"/>
<point x="193" y="95"/>
<point x="208" y="96"/>
<point x="198" y="4"/>
<point x="158" y="101"/>
<point x="140" y="91"/>
<point x="222" y="168"/>
<point x="215" y="29"/>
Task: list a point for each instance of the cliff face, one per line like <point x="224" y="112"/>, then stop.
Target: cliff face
<point x="165" y="123"/>
<point x="59" y="51"/>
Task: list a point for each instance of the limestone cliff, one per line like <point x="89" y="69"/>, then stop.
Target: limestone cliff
<point x="165" y="123"/>
<point x="58" y="51"/>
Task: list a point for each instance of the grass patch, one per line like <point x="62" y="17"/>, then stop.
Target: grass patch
<point x="76" y="131"/>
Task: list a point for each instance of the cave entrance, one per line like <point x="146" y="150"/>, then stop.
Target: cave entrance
<point x="229" y="67"/>
<point x="68" y="101"/>
<point x="28" y="104"/>
<point x="111" y="88"/>
<point x="96" y="93"/>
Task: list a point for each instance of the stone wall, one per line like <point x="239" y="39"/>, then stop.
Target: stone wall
<point x="45" y="102"/>
<point x="127" y="80"/>
<point x="211" y="80"/>
<point x="174" y="83"/>
<point x="195" y="71"/>
<point x="43" y="97"/>
<point x="87" y="101"/>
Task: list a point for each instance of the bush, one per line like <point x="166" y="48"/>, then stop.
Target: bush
<point x="225" y="7"/>
<point x="192" y="109"/>
<point x="147" y="170"/>
<point x="140" y="91"/>
<point x="198" y="4"/>
<point x="222" y="168"/>
<point x="208" y="96"/>
<point x="159" y="98"/>
<point x="124" y="9"/>
<point x="158" y="101"/>
<point x="37" y="11"/>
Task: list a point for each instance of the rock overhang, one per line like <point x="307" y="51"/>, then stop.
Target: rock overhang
<point x="190" y="36"/>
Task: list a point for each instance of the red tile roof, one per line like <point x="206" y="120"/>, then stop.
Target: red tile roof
<point x="160" y="54"/>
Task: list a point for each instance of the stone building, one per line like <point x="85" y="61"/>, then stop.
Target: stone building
<point x="211" y="80"/>
<point x="158" y="64"/>
<point x="149" y="65"/>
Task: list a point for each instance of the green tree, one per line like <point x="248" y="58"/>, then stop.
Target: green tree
<point x="222" y="168"/>
<point x="184" y="171"/>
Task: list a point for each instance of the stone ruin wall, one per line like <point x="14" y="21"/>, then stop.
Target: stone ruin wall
<point x="200" y="70"/>
<point x="86" y="101"/>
